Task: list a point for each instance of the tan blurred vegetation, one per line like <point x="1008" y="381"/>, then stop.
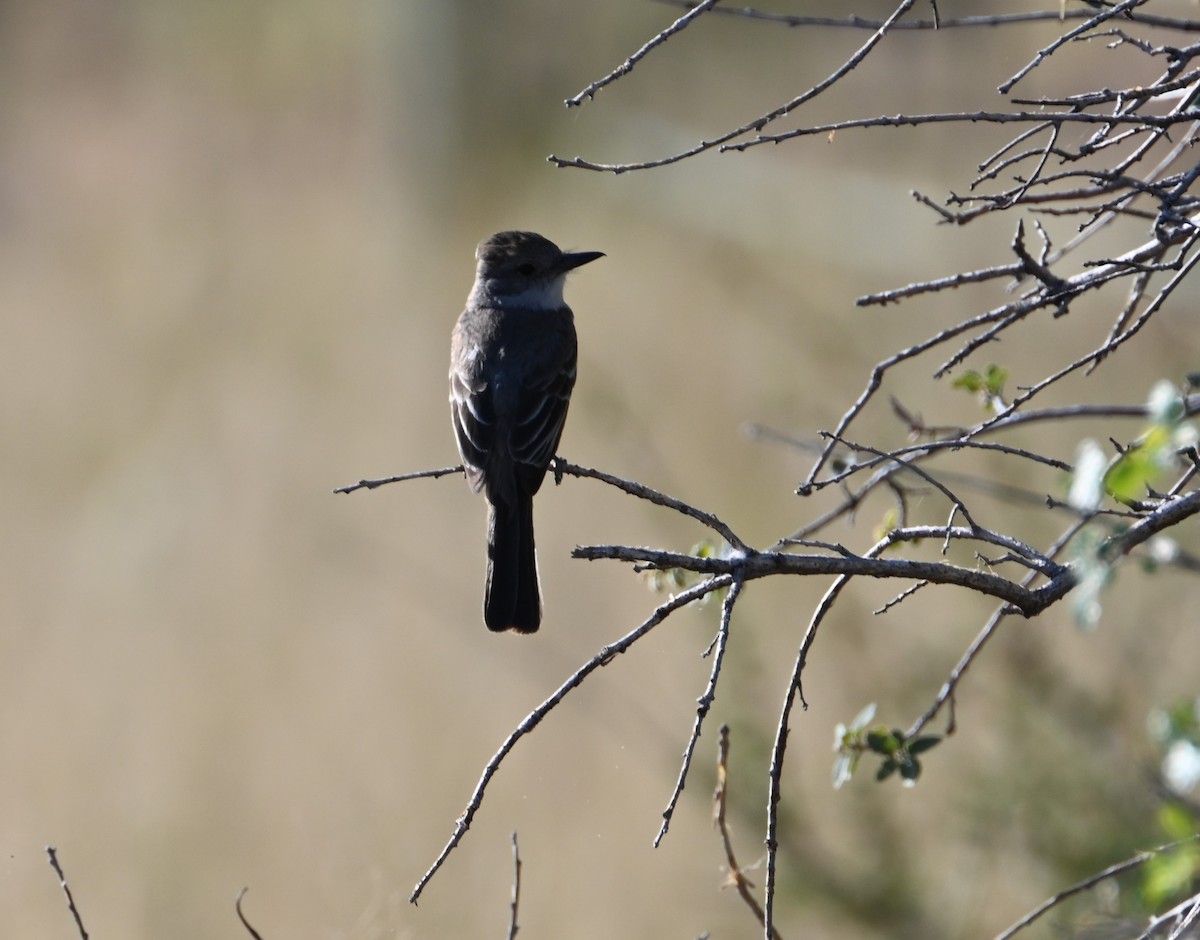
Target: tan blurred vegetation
<point x="234" y="240"/>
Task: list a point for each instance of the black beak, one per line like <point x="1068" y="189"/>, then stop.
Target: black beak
<point x="574" y="259"/>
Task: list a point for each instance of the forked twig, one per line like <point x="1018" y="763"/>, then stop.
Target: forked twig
<point x="534" y="718"/>
<point x="736" y="876"/>
<point x="1090" y="882"/>
<point x="627" y="66"/>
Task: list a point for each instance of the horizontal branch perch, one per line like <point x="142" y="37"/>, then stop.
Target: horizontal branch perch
<point x="750" y="565"/>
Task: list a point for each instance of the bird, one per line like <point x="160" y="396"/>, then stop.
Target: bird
<point x="513" y="356"/>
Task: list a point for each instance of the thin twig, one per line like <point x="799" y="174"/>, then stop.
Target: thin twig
<point x="912" y="466"/>
<point x="417" y="475"/>
<point x="1065" y="38"/>
<point x="516" y="890"/>
<point x="641" y="491"/>
<point x="1090" y="882"/>
<point x="627" y="66"/>
<point x="703" y="704"/>
<point x="1046" y="118"/>
<point x="1104" y="349"/>
<point x="237" y="906"/>
<point x="875" y="380"/>
<point x="1166" y="516"/>
<point x="736" y="876"/>
<point x="993" y="19"/>
<point x="900" y="598"/>
<point x="562" y="468"/>
<point x="925" y="287"/>
<point x="758" y="123"/>
<point x="946" y="694"/>
<point x="534" y="718"/>
<point x="52" y="852"/>
<point x="793" y="693"/>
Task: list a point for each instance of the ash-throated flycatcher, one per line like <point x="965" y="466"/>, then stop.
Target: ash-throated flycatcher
<point x="512" y="368"/>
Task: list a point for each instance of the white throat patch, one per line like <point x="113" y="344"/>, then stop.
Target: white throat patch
<point x="543" y="295"/>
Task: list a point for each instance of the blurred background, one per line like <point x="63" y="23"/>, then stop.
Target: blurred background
<point x="233" y="241"/>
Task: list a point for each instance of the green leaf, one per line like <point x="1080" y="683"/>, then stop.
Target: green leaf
<point x="884" y="742"/>
<point x="922" y="744"/>
<point x="989" y="385"/>
<point x="1176" y="822"/>
<point x="1170" y="876"/>
<point x="970" y="381"/>
<point x="994" y="379"/>
<point x="1131" y="476"/>
<point x="889" y="522"/>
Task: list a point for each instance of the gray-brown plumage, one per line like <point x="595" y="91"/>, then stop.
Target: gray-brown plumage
<point x="512" y="369"/>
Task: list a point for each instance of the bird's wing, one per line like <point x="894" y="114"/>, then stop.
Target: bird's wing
<point x="540" y="421"/>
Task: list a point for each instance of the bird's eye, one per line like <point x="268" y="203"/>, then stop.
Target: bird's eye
<point x="526" y="268"/>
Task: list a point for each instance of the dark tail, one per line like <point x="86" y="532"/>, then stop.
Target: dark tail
<point x="511" y="599"/>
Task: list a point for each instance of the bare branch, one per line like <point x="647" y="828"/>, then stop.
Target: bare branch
<point x="1118" y="160"/>
<point x="753" y="565"/>
<point x="946" y="695"/>
<point x="1168" y="515"/>
<point x="52" y="854"/>
<point x="758" y="123"/>
<point x="736" y="876"/>
<point x="1069" y="36"/>
<point x="534" y="718"/>
<point x="779" y="747"/>
<point x="925" y="287"/>
<point x="1041" y="119"/>
<point x="992" y="19"/>
<point x="1112" y="871"/>
<point x="516" y="890"/>
<point x="237" y="906"/>
<point x="627" y="66"/>
<point x="703" y="704"/>
<point x="417" y="475"/>
<point x="562" y="467"/>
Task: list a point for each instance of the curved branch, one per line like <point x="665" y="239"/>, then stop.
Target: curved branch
<point x="703" y="704"/>
<point x="752" y="565"/>
<point x="562" y="467"/>
<point x="627" y="66"/>
<point x="758" y="123"/>
<point x="993" y="19"/>
<point x="534" y="718"/>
